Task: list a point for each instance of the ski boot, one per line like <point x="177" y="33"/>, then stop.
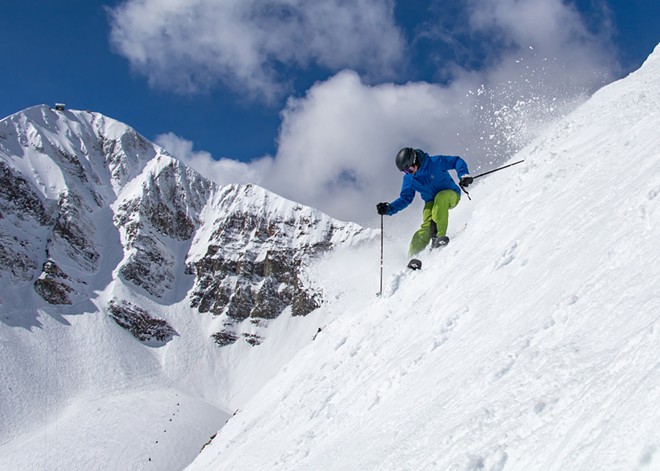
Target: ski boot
<point x="437" y="242"/>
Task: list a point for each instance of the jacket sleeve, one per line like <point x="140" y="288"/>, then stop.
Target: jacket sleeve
<point x="405" y="198"/>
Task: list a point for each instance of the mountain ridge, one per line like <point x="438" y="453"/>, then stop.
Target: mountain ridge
<point x="153" y="196"/>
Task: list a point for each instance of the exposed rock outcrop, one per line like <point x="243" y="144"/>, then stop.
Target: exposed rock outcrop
<point x="52" y="284"/>
<point x="143" y="326"/>
<point x="255" y="262"/>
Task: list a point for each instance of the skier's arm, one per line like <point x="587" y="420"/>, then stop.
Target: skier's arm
<point x="405" y="198"/>
<point x="456" y="163"/>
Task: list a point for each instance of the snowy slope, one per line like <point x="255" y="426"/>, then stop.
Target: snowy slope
<point x="531" y="343"/>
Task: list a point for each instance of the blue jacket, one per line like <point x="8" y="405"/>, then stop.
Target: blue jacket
<point x="431" y="178"/>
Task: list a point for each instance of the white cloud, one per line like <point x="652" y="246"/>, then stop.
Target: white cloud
<point x="188" y="45"/>
<point x="548" y="37"/>
<point x="337" y="143"/>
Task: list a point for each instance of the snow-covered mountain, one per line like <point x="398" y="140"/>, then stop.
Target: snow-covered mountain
<point x="77" y="185"/>
<point x="126" y="277"/>
<point x="532" y="342"/>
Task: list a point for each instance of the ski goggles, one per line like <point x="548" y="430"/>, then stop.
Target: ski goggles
<point x="410" y="170"/>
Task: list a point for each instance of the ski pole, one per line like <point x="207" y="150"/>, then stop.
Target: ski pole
<point x="381" y="256"/>
<point x="498" y="169"/>
<point x="489" y="172"/>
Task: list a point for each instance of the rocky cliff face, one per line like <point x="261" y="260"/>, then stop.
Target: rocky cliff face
<point x="22" y="213"/>
<point x="252" y="264"/>
<point x="160" y="212"/>
<point x="88" y="205"/>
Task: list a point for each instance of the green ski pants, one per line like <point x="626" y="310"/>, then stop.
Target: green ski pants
<point x="435" y="217"/>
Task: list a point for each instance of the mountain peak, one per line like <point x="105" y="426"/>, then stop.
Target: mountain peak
<point x="78" y="182"/>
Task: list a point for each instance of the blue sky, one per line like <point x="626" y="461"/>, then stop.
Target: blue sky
<point x="255" y="84"/>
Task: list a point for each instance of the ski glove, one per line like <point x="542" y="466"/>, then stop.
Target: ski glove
<point x="465" y="181"/>
<point x="382" y="208"/>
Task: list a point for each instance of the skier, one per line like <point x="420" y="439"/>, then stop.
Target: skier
<point x="429" y="176"/>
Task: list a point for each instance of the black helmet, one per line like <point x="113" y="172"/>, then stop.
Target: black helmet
<point x="406" y="158"/>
